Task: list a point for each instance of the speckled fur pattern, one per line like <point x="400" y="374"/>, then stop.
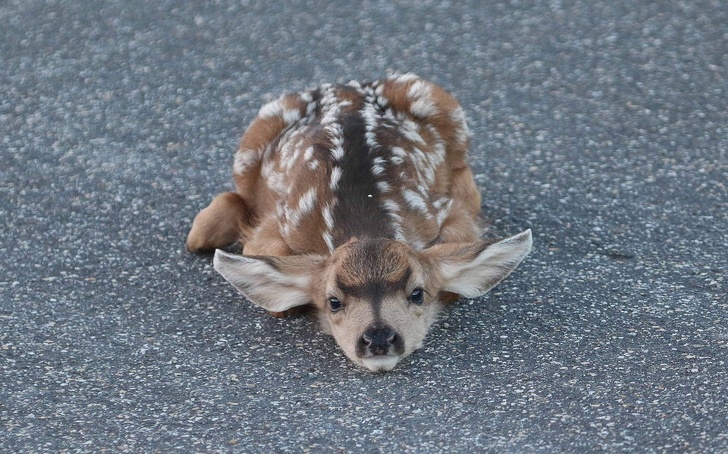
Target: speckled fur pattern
<point x="324" y="165"/>
<point x="359" y="194"/>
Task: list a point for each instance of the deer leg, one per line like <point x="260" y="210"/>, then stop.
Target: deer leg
<point x="266" y="239"/>
<point x="219" y="224"/>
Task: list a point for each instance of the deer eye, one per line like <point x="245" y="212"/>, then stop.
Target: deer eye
<point x="335" y="304"/>
<point x="417" y="296"/>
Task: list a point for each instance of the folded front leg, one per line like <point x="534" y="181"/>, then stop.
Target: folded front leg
<point x="220" y="224"/>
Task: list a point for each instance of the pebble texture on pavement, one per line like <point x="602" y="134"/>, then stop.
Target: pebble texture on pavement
<point x="602" y="125"/>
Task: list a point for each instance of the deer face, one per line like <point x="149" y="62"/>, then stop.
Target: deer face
<point x="380" y="298"/>
<point x="377" y="297"/>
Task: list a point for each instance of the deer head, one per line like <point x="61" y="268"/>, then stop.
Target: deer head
<point x="376" y="296"/>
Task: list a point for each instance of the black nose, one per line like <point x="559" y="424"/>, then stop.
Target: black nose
<point x="378" y="339"/>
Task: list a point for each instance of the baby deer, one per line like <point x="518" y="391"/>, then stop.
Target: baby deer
<point x="357" y="200"/>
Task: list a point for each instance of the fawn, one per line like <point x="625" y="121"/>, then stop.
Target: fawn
<point x="357" y="200"/>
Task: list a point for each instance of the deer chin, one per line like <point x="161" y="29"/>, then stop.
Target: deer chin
<point x="383" y="363"/>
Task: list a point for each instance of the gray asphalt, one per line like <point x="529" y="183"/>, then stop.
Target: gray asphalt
<point x="601" y="125"/>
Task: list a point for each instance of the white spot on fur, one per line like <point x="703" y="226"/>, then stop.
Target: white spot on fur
<point x="328" y="239"/>
<point x="244" y="159"/>
<point x="383" y="186"/>
<point x="392" y="208"/>
<point x="438" y="154"/>
<point x="371" y="139"/>
<point x="389" y="116"/>
<point x="415" y="201"/>
<point x="308" y="154"/>
<point x="439" y="203"/>
<point x="285" y="149"/>
<point x="304" y="207"/>
<point x="274" y="179"/>
<point x="462" y="133"/>
<point x="337" y="153"/>
<point x="277" y="109"/>
<point x="401" y="78"/>
<point x="331" y="105"/>
<point x="399" y="151"/>
<point x="443" y="212"/>
<point x="378" y="166"/>
<point x="291" y="116"/>
<point x="410" y="130"/>
<point x="418" y="156"/>
<point x="371" y="118"/>
<point x="293" y="159"/>
<point x="422" y="105"/>
<point x="335" y="133"/>
<point x="336" y="173"/>
<point x="270" y="110"/>
<point x="326" y="213"/>
<point x="307" y="201"/>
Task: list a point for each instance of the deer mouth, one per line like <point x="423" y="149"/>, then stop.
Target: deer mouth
<point x="380" y="363"/>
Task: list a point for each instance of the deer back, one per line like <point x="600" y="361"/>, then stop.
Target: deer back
<point x="381" y="159"/>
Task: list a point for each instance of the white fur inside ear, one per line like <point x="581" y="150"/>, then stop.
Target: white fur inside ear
<point x="474" y="277"/>
<point x="263" y="282"/>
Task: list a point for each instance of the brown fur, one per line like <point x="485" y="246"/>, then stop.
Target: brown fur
<point x="267" y="135"/>
<point x="357" y="200"/>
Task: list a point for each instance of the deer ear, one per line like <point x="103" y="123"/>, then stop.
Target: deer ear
<point x="472" y="269"/>
<point x="274" y="283"/>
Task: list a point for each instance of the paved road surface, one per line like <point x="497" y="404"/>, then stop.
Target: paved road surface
<point x="601" y="125"/>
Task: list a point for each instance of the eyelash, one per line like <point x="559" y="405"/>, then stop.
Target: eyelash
<point x="417" y="296"/>
<point x="335" y="304"/>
